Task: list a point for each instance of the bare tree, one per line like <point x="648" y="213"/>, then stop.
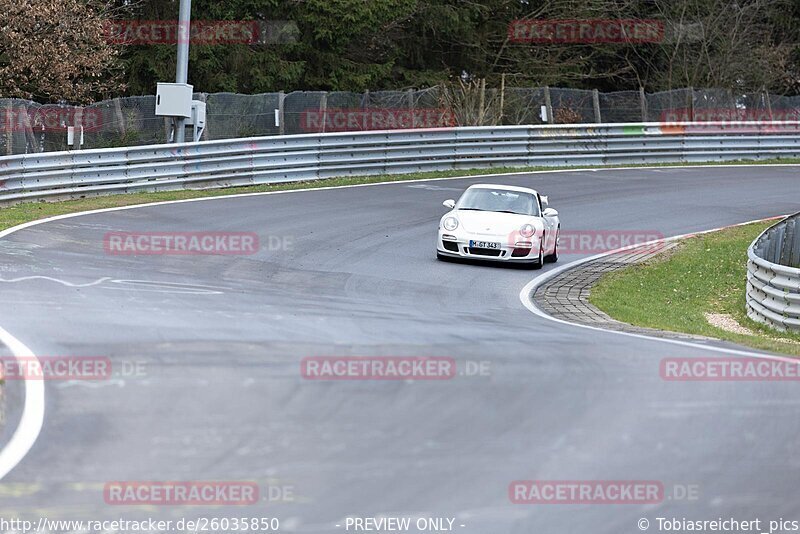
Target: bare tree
<point x="470" y="103"/>
<point x="716" y="43"/>
<point x="56" y="50"/>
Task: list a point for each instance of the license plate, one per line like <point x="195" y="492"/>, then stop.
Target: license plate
<point x="483" y="244"/>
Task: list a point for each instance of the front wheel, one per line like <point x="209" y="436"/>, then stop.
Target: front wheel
<point x="540" y="262"/>
<point x="552" y="258"/>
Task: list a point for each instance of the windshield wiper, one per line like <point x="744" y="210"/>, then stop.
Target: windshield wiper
<point x="471" y="209"/>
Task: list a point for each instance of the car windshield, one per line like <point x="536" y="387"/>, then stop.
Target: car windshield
<point x="499" y="200"/>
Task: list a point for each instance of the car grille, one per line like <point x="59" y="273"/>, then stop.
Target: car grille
<point x="452" y="246"/>
<point x="484" y="251"/>
<point x="518" y="252"/>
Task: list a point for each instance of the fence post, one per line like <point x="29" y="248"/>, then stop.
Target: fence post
<point x="30" y="133"/>
<point x="482" y="103"/>
<point x="203" y="97"/>
<point x="9" y="128"/>
<point x="281" y="121"/>
<point x="323" y="105"/>
<point x="769" y="104"/>
<point x="690" y="104"/>
<point x="794" y="257"/>
<point x="502" y="96"/>
<point x="78" y="124"/>
<point x="734" y="109"/>
<point x="788" y="242"/>
<point x="596" y="104"/>
<point x="365" y="102"/>
<point x="548" y="105"/>
<point x="643" y="103"/>
<point x="120" y="118"/>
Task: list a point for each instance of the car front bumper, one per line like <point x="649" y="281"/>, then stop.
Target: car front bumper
<point x="457" y="245"/>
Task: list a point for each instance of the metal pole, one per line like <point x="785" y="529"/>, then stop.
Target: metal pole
<point x="182" y="69"/>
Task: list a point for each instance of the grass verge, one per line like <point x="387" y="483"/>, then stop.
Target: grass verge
<point x="706" y="274"/>
<point x="30" y="211"/>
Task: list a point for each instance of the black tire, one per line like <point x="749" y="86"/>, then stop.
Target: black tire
<point x="540" y="263"/>
<point x="552" y="258"/>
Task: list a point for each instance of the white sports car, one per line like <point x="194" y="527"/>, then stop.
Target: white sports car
<point x="499" y="223"/>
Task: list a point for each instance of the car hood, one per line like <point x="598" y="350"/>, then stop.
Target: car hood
<point x="493" y="223"/>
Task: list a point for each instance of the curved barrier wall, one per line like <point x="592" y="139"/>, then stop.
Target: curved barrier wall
<point x="261" y="160"/>
<point x="773" y="276"/>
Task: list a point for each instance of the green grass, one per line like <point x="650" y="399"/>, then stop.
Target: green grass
<point x="29" y="211"/>
<point x="706" y="273"/>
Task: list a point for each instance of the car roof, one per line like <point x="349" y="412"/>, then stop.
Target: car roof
<point x="506" y="187"/>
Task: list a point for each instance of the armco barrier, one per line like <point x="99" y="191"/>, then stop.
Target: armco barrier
<point x="773" y="276"/>
<point x="274" y="159"/>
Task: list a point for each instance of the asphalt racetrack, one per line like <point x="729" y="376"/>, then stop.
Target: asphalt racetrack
<point x="209" y="349"/>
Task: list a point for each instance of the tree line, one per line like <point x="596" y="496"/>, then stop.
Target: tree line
<point x="60" y="50"/>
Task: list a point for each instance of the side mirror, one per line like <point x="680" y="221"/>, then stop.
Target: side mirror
<point x="549" y="212"/>
<point x="449" y="204"/>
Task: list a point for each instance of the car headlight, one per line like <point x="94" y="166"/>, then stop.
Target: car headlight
<point x="527" y="230"/>
<point x="450" y="223"/>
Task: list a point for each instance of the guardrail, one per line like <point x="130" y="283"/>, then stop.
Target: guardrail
<point x="773" y="276"/>
<point x="275" y="159"/>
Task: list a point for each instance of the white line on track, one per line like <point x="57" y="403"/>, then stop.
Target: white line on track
<point x="51" y="279"/>
<point x="33" y="412"/>
<point x="30" y="424"/>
